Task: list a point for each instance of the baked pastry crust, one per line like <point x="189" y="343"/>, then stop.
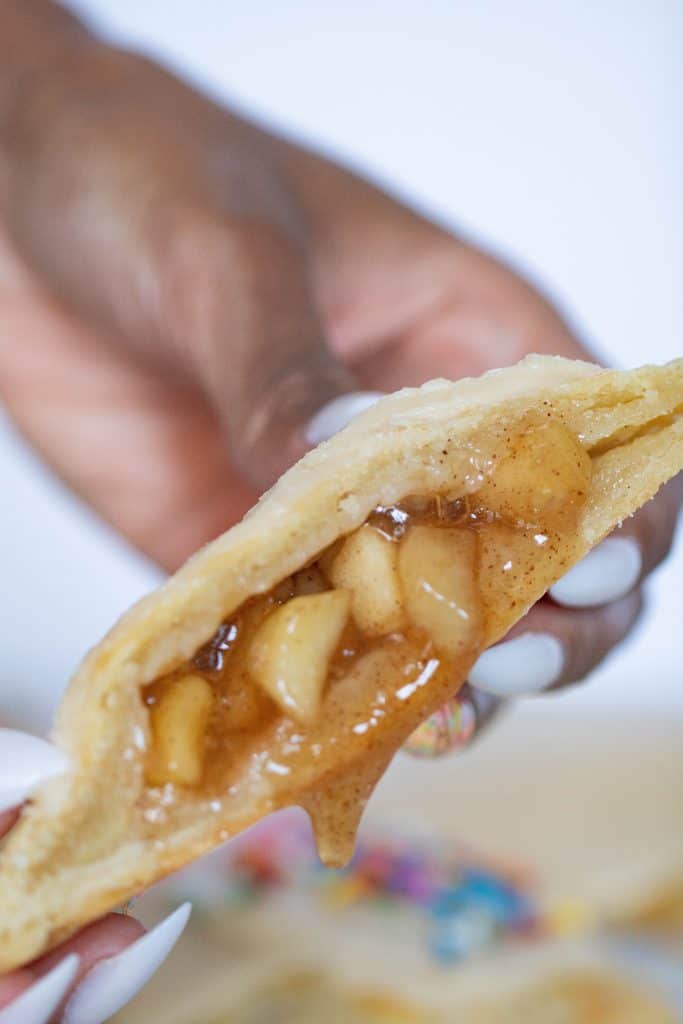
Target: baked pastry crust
<point x="83" y="846"/>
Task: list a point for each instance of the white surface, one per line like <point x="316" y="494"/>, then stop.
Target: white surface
<point x="550" y="132"/>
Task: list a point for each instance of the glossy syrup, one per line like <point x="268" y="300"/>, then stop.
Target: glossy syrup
<point x="256" y="759"/>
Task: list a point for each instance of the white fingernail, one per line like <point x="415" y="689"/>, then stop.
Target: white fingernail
<point x="607" y="573"/>
<point x="37" y="1004"/>
<point x="25" y="763"/>
<point x="337" y="413"/>
<point x="113" y="983"/>
<point x="527" y="664"/>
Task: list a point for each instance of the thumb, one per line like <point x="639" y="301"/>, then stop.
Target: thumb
<point x="273" y="381"/>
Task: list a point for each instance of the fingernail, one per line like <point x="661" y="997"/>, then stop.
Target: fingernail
<point x="448" y="729"/>
<point x="337" y="413"/>
<point x="26" y="762"/>
<point x="527" y="664"/>
<point x="112" y="983"/>
<point x="607" y="572"/>
<point x="37" y="1004"/>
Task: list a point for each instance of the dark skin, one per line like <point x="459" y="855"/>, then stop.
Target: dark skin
<point x="180" y="291"/>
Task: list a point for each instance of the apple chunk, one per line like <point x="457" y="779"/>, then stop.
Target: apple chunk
<point x="178" y="722"/>
<point x="367" y="566"/>
<point x="438" y="572"/>
<point x="290" y="653"/>
<point x="541" y="477"/>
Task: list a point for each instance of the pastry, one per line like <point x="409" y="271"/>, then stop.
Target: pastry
<point x="580" y="843"/>
<point x="289" y="659"/>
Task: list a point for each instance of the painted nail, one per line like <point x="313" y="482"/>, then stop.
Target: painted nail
<point x="37" y="1004"/>
<point x="607" y="573"/>
<point x="527" y="664"/>
<point x="112" y="983"/>
<point x="25" y="763"/>
<point x="337" y="413"/>
<point x="448" y="729"/>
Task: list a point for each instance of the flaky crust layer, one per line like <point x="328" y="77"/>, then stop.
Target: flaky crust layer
<point x="82" y="847"/>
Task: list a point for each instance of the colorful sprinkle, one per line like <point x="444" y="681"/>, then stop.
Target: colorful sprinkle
<point x="462" y="934"/>
<point x="467" y="901"/>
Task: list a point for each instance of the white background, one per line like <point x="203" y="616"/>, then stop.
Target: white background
<point x="551" y="131"/>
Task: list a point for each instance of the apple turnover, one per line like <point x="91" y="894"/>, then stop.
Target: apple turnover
<point x="289" y="659"/>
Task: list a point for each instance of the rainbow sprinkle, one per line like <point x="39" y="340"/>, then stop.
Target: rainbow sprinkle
<point x="464" y="901"/>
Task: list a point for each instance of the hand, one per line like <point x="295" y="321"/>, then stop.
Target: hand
<point x="181" y="293"/>
<point x="191" y="290"/>
<point x="97" y="971"/>
<point x="566" y="634"/>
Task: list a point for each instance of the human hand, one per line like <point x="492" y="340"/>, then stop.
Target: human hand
<point x="566" y="635"/>
<point x="195" y="290"/>
<point x="181" y="292"/>
<point x="89" y="978"/>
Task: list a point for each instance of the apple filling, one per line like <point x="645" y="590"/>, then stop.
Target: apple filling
<point x="311" y="673"/>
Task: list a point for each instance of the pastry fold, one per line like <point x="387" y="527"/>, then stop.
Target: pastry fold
<point x="111" y="826"/>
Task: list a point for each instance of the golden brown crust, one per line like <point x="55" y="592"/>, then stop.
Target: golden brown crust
<point x="82" y="846"/>
<point x="659" y="912"/>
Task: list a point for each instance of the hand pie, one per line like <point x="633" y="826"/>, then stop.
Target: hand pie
<point x="289" y="659"/>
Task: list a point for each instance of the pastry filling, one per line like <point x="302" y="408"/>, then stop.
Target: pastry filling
<point x="305" y="680"/>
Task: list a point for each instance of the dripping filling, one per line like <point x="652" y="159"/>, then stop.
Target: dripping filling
<point x="341" y="660"/>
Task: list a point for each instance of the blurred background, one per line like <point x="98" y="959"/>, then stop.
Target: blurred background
<point x="550" y="133"/>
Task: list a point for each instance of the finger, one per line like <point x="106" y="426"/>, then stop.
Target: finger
<point x="107" y="962"/>
<point x="485" y="315"/>
<point x="27" y="762"/>
<point x="454" y="726"/>
<point x="25" y="999"/>
<point x="617" y="565"/>
<point x="208" y="277"/>
<point x="404" y="299"/>
<point x="114" y="958"/>
<point x="554" y="646"/>
<point x="593" y="608"/>
<point x="549" y="648"/>
<point x="114" y="968"/>
<point x="7" y="820"/>
<point x="275" y="384"/>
